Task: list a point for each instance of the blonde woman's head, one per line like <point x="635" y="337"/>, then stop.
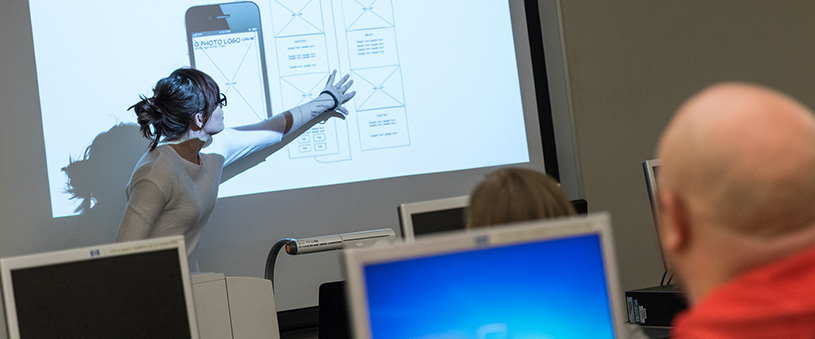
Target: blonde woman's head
<point x="516" y="194"/>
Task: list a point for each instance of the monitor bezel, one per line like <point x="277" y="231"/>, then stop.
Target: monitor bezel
<point x="519" y="233"/>
<point x="406" y="211"/>
<point x="648" y="167"/>
<point x="7" y="265"/>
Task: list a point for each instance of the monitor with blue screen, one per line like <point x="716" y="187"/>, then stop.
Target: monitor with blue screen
<point x="542" y="279"/>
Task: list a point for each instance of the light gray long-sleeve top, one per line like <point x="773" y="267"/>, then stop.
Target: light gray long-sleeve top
<point x="168" y="195"/>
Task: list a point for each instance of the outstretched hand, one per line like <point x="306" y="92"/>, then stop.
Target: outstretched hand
<point x="338" y="91"/>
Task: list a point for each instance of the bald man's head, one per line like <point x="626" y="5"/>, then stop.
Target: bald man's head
<point x="736" y="184"/>
<point x="743" y="157"/>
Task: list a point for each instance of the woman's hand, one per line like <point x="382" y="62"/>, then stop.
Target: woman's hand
<point x="338" y="91"/>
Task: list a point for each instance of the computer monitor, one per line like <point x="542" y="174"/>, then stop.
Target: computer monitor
<point x="553" y="278"/>
<point x="434" y="216"/>
<point x="137" y="289"/>
<point x="651" y="169"/>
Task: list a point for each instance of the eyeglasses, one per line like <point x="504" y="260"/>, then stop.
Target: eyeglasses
<point x="221" y="103"/>
<point x="222" y="100"/>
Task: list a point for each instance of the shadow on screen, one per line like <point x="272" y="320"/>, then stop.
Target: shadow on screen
<point x="97" y="180"/>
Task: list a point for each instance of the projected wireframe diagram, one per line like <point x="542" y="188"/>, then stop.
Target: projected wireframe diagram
<point x="303" y="65"/>
<point x="367" y="14"/>
<point x="236" y="68"/>
<point x="297" y="90"/>
<point x="226" y="42"/>
<point x="297" y="17"/>
<point x="372" y="52"/>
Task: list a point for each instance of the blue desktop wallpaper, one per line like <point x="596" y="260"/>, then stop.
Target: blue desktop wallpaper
<point x="550" y="289"/>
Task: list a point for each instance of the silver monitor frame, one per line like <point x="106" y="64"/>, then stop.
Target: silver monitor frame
<point x="648" y="167"/>
<point x="406" y="211"/>
<point x="596" y="223"/>
<point x="7" y="265"/>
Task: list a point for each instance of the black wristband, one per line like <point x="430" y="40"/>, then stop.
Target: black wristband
<point x="336" y="102"/>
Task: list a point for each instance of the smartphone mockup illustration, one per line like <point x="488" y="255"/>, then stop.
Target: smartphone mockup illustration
<point x="226" y="42"/>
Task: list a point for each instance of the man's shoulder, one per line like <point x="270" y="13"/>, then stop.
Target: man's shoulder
<point x="769" y="299"/>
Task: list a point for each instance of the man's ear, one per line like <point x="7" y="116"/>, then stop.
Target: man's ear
<point x="674" y="224"/>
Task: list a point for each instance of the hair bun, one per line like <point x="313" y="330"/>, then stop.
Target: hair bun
<point x="147" y="111"/>
<point x="149" y="116"/>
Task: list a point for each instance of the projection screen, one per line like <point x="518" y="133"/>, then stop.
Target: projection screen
<point x="445" y="94"/>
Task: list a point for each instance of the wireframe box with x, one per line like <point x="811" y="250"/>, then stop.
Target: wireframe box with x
<point x="378" y="87"/>
<point x="367" y="14"/>
<point x="299" y="89"/>
<point x="296" y="17"/>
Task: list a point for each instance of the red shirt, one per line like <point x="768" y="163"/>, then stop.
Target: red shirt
<point x="775" y="301"/>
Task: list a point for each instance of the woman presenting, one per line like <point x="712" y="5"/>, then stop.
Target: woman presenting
<point x="175" y="183"/>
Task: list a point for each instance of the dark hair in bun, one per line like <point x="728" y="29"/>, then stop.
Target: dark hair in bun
<point x="176" y="99"/>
